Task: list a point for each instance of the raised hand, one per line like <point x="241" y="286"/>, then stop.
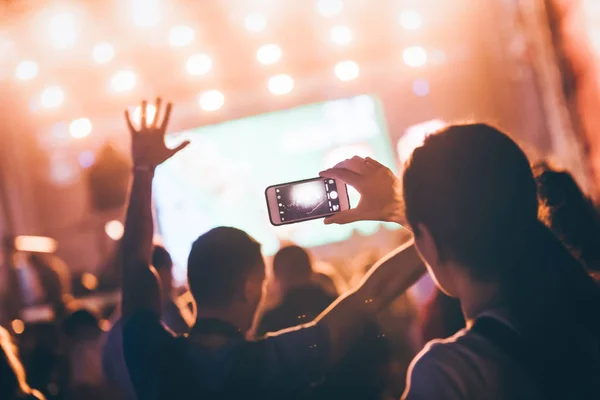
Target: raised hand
<point x="148" y="148"/>
<point x="380" y="190"/>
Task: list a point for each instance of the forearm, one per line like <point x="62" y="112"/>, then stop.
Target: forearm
<point x="386" y="280"/>
<point x="140" y="285"/>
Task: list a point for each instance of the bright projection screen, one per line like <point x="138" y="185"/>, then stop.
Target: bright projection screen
<point x="220" y="178"/>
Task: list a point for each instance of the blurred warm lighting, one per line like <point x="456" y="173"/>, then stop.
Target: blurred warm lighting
<point x="255" y="22"/>
<point x="104" y="325"/>
<point x="52" y="97"/>
<point x="411" y="20"/>
<point x="80" y="128"/>
<point x="414" y="137"/>
<point x="145" y="13"/>
<point x="62" y="30"/>
<point x="341" y="35"/>
<point x="211" y="100"/>
<point x="89" y="281"/>
<point x="347" y="70"/>
<point x="26" y="70"/>
<point x="114" y="229"/>
<point x="281" y="84"/>
<point x="137" y="115"/>
<point x="18" y="326"/>
<point x="198" y="64"/>
<point x="123" y="81"/>
<point x="420" y="87"/>
<point x="103" y="53"/>
<point x="35" y="244"/>
<point x="268" y="54"/>
<point x="181" y="36"/>
<point x="329" y="8"/>
<point x="415" y="56"/>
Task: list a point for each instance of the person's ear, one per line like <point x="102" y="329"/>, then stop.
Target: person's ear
<point x="427" y="245"/>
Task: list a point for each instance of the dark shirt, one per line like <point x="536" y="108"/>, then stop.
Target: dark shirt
<point x="216" y="362"/>
<point x="300" y="305"/>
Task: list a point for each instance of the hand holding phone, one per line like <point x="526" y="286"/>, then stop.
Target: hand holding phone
<point x="306" y="200"/>
<point x="381" y="192"/>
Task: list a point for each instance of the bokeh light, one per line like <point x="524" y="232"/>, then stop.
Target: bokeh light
<point x="255" y="22"/>
<point x="420" y="87"/>
<point x="18" y="326"/>
<point x="181" y="36"/>
<point x="411" y="20"/>
<point x="329" y="8"/>
<point x="61" y="30"/>
<point x="123" y="81"/>
<point x="268" y="54"/>
<point x="103" y="53"/>
<point x="415" y="56"/>
<point x="347" y="70"/>
<point x="145" y="13"/>
<point x="89" y="281"/>
<point x="211" y="100"/>
<point x="341" y="35"/>
<point x="26" y="70"/>
<point x="114" y="229"/>
<point x="198" y="64"/>
<point x="80" y="128"/>
<point x="52" y="97"/>
<point x="86" y="159"/>
<point x="281" y="84"/>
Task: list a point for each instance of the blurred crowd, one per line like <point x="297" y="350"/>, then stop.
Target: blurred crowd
<point x="513" y="250"/>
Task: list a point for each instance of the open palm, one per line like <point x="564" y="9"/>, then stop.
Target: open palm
<point x="148" y="147"/>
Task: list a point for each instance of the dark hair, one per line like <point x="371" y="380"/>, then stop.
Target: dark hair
<point x="161" y="259"/>
<point x="473" y="188"/>
<point x="219" y="264"/>
<point x="292" y="264"/>
<point x="570" y="214"/>
<point x="82" y="324"/>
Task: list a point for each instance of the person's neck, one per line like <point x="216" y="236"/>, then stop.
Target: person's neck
<point x="476" y="296"/>
<point x="233" y="318"/>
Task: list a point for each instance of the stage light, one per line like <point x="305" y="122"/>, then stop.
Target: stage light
<point x="281" y="84"/>
<point x="62" y="30"/>
<point x="347" y="70"/>
<point x="181" y="36"/>
<point x="420" y="87"/>
<point x="329" y="8"/>
<point x="89" y="281"/>
<point x="123" y="81"/>
<point x="145" y="13"/>
<point x="308" y="194"/>
<point x="52" y="97"/>
<point x="211" y="100"/>
<point x="80" y="128"/>
<point x="255" y="22"/>
<point x="341" y="35"/>
<point x="268" y="54"/>
<point x="103" y="53"/>
<point x="415" y="56"/>
<point x="26" y="70"/>
<point x="114" y="229"/>
<point x="137" y="114"/>
<point x="86" y="159"/>
<point x="411" y="20"/>
<point x="35" y="244"/>
<point x="198" y="64"/>
<point x="17" y="326"/>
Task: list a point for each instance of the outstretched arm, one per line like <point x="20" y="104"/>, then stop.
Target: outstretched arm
<point x="381" y="200"/>
<point x="141" y="287"/>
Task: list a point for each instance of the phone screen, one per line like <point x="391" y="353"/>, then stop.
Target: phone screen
<point x="308" y="199"/>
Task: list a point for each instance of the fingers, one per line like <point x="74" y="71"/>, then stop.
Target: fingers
<point x="182" y="146"/>
<point x="374" y="163"/>
<point x="129" y="123"/>
<point x="344" y="174"/>
<point x="344" y="217"/>
<point x="165" y="122"/>
<point x="143" y="113"/>
<point x="156" y="112"/>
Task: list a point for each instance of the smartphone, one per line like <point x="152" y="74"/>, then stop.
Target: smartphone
<point x="305" y="200"/>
